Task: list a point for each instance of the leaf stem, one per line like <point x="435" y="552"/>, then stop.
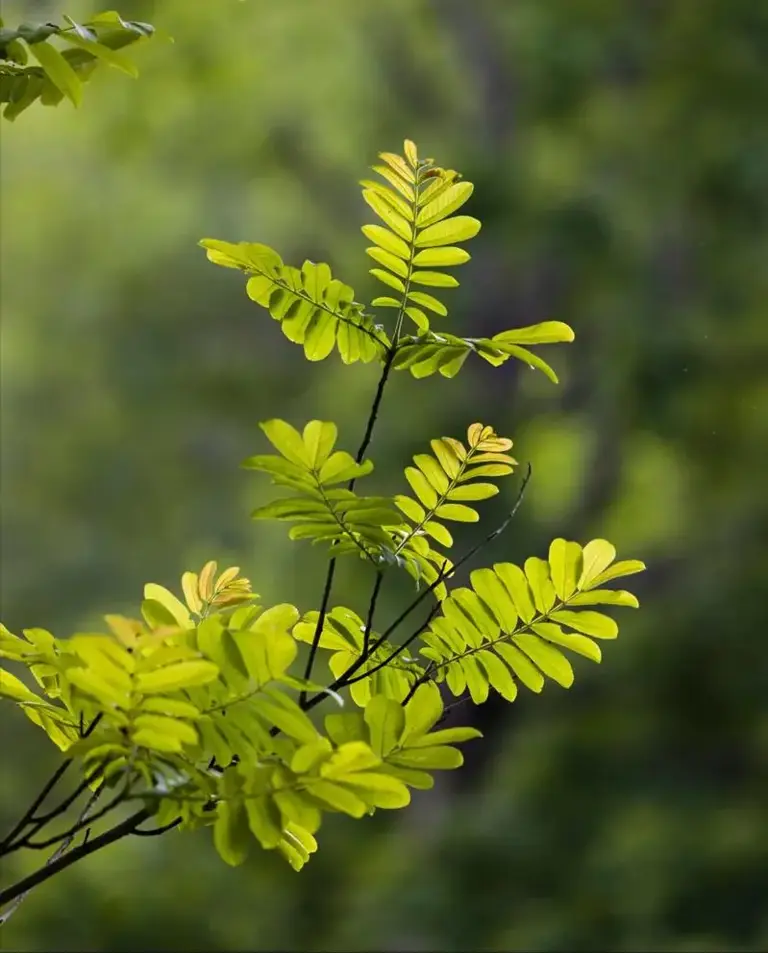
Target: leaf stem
<point x="364" y="444"/>
<point x="372" y="612"/>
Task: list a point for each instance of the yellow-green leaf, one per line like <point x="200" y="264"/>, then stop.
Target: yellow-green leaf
<point x="422" y="712"/>
<point x="411" y="508"/>
<point x="171" y="727"/>
<point x="403" y="187"/>
<point x="441" y="257"/>
<point x="460" y="228"/>
<point x="58" y="70"/>
<point x="388" y="260"/>
<point x="286" y="715"/>
<point x="175" y="707"/>
<point x="189" y="588"/>
<point x="457" y="512"/>
<point x="569" y="640"/>
<point x="565" y="566"/>
<point x="445" y="204"/>
<point x="399" y="164"/>
<point x="378" y="790"/>
<point x="547" y="332"/>
<point x="14" y="688"/>
<point x="438" y="532"/>
<point x="167" y="599"/>
<point x="494" y="594"/>
<point x="498" y="674"/>
<point x="434" y="278"/>
<point x="419" y="318"/>
<point x="626" y="567"/>
<point x="264" y="821"/>
<point x="597" y="556"/>
<point x="432" y="471"/>
<point x="91" y="683"/>
<point x="428" y="301"/>
<point x="434" y="758"/>
<point x="387" y="214"/>
<point x="608" y="597"/>
<point x="522" y="666"/>
<point x="473" y="491"/>
<point x="179" y="675"/>
<point x="286" y="440"/>
<point x="551" y="661"/>
<point x="337" y="796"/>
<point x="591" y="623"/>
<point x="421" y="487"/>
<point x="112" y="57"/>
<point x="445" y="453"/>
<point x="515" y="581"/>
<point x="319" y="440"/>
<point x="537" y="571"/>
<point x="385" y="239"/>
<point x="230" y="833"/>
<point x="411" y="154"/>
<point x="402" y="208"/>
<point x="385" y="719"/>
<point x="205" y="581"/>
<point x="388" y="278"/>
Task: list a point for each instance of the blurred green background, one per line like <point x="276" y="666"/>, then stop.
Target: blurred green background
<point x="619" y="151"/>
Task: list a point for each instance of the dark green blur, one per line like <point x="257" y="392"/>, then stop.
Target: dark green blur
<point x="619" y="152"/>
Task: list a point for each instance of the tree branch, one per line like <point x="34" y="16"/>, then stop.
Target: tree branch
<point x="28" y="817"/>
<point x="158" y="830"/>
<point x="84" y="821"/>
<point x="58" y="774"/>
<point x="63" y="859"/>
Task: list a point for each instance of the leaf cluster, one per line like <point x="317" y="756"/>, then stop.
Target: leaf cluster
<point x="197" y="710"/>
<point x="61" y="72"/>
<point x="416" y="238"/>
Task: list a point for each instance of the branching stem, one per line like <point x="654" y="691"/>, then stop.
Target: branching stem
<point x="64" y="859"/>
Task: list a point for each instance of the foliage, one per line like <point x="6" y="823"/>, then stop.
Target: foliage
<point x="419" y="234"/>
<point x="616" y="151"/>
<point x="61" y="73"/>
<point x="196" y="713"/>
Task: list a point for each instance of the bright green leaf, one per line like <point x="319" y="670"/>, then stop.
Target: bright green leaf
<point x="174" y="677"/>
<point x="460" y="228"/>
<point x="590" y="623"/>
<point x="58" y="70"/>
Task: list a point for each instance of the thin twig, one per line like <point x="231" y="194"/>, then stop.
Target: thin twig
<point x="364" y="444"/>
<point x="55" y="812"/>
<point x="80" y="824"/>
<point x="64" y="859"/>
<point x="59" y="852"/>
<point x="397" y="650"/>
<point x="50" y="784"/>
<point x="371" y="612"/>
<point x="344" y="678"/>
<point x="158" y="830"/>
<point x="318" y="628"/>
<point x="57" y="775"/>
<point x="467" y="556"/>
<point x="421" y="680"/>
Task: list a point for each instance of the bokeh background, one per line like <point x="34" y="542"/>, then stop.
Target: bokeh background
<point x="619" y="151"/>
